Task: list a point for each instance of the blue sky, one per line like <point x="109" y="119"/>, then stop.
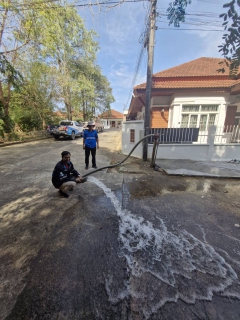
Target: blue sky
<point x="120" y="29"/>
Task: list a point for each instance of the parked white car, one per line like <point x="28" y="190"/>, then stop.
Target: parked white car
<point x="69" y="129"/>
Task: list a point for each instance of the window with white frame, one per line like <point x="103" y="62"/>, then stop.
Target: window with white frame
<point x="199" y="115"/>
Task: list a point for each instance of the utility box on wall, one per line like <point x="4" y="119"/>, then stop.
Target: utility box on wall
<point x="131" y="134"/>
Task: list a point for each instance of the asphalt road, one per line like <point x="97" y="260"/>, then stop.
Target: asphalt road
<point x="123" y="246"/>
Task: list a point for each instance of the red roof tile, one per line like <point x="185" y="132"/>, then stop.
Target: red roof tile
<point x="111" y="114"/>
<point x="199" y="73"/>
<point x="59" y="113"/>
<point x="180" y="84"/>
<point x="195" y="68"/>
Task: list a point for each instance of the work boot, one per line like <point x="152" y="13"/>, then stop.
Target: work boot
<point x="63" y="194"/>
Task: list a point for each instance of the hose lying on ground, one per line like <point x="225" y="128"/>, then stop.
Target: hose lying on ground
<point x="118" y="163"/>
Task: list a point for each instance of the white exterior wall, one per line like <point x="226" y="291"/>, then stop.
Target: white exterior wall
<point x="127" y="146"/>
<point x="141" y="114"/>
<point x="180" y="151"/>
<point x="179" y="101"/>
<point x="225" y="152"/>
<point x="201" y="152"/>
<point x="106" y="122"/>
<point x="176" y="102"/>
<point x="208" y="151"/>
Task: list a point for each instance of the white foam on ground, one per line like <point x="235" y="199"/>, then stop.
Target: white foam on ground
<point x="176" y="264"/>
<point x="206" y="186"/>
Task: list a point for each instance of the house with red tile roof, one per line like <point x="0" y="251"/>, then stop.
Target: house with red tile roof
<point x="60" y="114"/>
<point x="111" y="119"/>
<point x="193" y="94"/>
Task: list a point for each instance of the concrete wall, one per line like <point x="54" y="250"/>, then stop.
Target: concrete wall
<point x="127" y="146"/>
<point x="180" y="151"/>
<point x="176" y="101"/>
<point x="225" y="152"/>
<point x="179" y="100"/>
<point x="140" y="115"/>
<point x="107" y="122"/>
<point x="197" y="152"/>
<point x="204" y="151"/>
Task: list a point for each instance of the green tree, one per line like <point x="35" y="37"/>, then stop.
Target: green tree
<point x="231" y="47"/>
<point x="32" y="106"/>
<point x="10" y="78"/>
<point x="50" y="46"/>
<point x="10" y="47"/>
<point x="103" y="93"/>
<point x="1" y="121"/>
<point x="63" y="41"/>
<point x="96" y="94"/>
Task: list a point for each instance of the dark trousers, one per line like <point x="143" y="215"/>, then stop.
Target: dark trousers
<point x="87" y="154"/>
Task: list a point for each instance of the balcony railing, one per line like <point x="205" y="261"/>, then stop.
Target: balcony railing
<point x="175" y="135"/>
<point x="223" y="135"/>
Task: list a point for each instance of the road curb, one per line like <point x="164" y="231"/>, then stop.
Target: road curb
<point x="200" y="176"/>
<point x="7" y="144"/>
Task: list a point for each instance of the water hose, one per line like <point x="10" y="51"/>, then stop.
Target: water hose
<point x="118" y="163"/>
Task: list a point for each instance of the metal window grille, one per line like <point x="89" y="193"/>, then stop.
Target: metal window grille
<point x="132" y="135"/>
<point x="190" y="108"/>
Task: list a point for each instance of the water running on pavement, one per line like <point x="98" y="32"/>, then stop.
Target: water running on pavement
<point x="175" y="264"/>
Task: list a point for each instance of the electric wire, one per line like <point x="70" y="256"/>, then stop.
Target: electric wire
<point x="203" y="26"/>
<point x="188" y="29"/>
<point x="33" y="3"/>
<point x="140" y="56"/>
<point x="115" y="3"/>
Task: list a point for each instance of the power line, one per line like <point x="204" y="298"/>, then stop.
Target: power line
<point x="199" y="21"/>
<point x="180" y="29"/>
<point x="33" y="3"/>
<point x="211" y="1"/>
<point x="197" y="24"/>
<point x="189" y="12"/>
<point x="85" y="4"/>
<point x="204" y="15"/>
<point x="142" y="40"/>
<point x="135" y="75"/>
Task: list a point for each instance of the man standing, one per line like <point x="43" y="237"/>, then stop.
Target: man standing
<point x="90" y="144"/>
<point x="64" y="175"/>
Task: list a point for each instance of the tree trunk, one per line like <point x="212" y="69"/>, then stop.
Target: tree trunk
<point x="4" y="17"/>
<point x="43" y="124"/>
<point x="69" y="110"/>
<point x="83" y="108"/>
<point x="7" y="122"/>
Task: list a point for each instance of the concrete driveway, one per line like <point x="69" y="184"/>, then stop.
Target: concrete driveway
<point x="214" y="169"/>
<point x="125" y="245"/>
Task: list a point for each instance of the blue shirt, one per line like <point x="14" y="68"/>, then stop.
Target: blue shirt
<point x="90" y="138"/>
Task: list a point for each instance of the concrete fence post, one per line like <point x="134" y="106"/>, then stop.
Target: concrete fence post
<point x="210" y="141"/>
<point x="141" y="135"/>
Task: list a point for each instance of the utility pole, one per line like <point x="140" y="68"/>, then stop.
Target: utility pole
<point x="149" y="76"/>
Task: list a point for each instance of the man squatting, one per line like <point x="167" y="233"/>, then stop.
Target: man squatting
<point x="64" y="175"/>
